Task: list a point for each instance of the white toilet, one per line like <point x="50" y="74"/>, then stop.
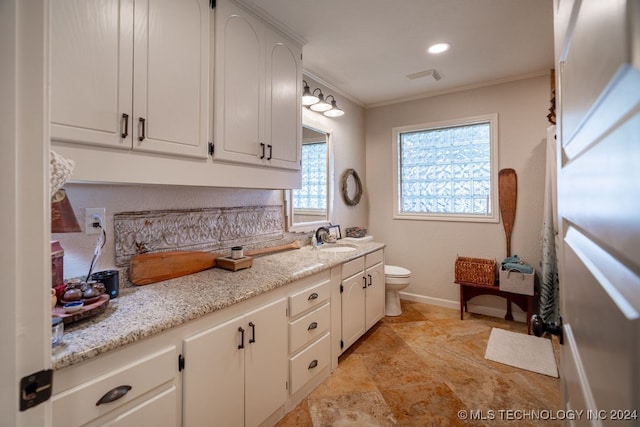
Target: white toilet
<point x="395" y="279"/>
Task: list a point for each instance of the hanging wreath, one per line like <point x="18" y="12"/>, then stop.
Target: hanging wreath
<point x="351" y="201"/>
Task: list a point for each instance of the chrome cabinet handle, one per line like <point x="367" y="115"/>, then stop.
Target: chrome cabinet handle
<point x="313" y="296"/>
<point x="312" y="325"/>
<point x="313" y="364"/>
<point x="114" y="394"/>
<point x="125" y="119"/>
<point x="142" y="123"/>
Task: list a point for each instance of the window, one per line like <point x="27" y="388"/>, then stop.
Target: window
<point x="312" y="197"/>
<point x="447" y="170"/>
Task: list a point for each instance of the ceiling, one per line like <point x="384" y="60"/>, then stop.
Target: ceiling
<point x="365" y="48"/>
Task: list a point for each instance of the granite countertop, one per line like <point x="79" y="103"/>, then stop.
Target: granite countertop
<point x="142" y="311"/>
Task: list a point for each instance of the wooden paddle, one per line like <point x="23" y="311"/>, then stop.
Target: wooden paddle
<point x="156" y="267"/>
<point x="273" y="249"/>
<point x="508" y="196"/>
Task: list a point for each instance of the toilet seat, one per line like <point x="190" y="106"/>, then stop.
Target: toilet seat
<point x="396" y="272"/>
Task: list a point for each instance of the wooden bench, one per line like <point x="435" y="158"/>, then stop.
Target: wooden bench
<point x="526" y="303"/>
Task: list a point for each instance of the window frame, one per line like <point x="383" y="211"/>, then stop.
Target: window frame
<point x="493" y="216"/>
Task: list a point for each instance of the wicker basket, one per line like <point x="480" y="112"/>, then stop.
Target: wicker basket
<point x="475" y="270"/>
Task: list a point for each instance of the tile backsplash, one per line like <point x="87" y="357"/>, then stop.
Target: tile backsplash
<point x="194" y="229"/>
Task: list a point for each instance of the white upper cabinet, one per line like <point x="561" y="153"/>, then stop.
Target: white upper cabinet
<point x="131" y="74"/>
<point x="258" y="74"/>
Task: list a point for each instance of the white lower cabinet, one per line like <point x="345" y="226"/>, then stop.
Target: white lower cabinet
<point x="362" y="296"/>
<point x="235" y="373"/>
<point x="123" y="389"/>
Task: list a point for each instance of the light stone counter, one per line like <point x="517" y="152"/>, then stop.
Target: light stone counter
<point x="142" y="311"/>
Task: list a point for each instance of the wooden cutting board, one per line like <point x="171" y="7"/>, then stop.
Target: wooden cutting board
<point x="156" y="267"/>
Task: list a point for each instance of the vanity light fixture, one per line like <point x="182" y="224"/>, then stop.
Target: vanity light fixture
<point x="439" y="47"/>
<point x="322" y="105"/>
<point x="334" y="111"/>
<point x="317" y="102"/>
<point x="307" y="97"/>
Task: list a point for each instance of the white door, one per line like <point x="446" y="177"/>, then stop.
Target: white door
<point x="171" y="77"/>
<point x="213" y="377"/>
<point x="353" y="309"/>
<point x="284" y="74"/>
<point x="375" y="294"/>
<point x="266" y="362"/>
<point x="25" y="259"/>
<point x="599" y="207"/>
<point x="91" y="72"/>
<point x="239" y="85"/>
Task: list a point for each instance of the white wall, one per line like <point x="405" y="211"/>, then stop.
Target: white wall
<point x="429" y="248"/>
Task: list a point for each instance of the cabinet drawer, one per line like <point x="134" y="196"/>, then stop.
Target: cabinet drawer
<point x="304" y="366"/>
<point x="374" y="258"/>
<point x="308" y="298"/>
<point x="78" y="405"/>
<point x="308" y="327"/>
<point x="352" y="267"/>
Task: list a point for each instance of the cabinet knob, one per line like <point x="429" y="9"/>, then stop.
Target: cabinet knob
<point x="114" y="394"/>
<point x="313" y="296"/>
<point x="312" y="325"/>
<point x="313" y="364"/>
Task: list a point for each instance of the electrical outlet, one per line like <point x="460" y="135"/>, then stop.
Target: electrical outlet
<point x="91" y="216"/>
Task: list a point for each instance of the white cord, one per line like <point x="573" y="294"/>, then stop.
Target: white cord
<point x="102" y="239"/>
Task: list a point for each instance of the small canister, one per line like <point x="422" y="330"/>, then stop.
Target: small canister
<point x="57" y="330"/>
<point x="236" y="252"/>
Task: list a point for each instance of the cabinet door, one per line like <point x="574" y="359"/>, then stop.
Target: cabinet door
<point x="283" y="119"/>
<point x="239" y="87"/>
<point x="91" y="71"/>
<point x="375" y="294"/>
<point x="353" y="309"/>
<point x="266" y="361"/>
<point x="213" y="378"/>
<point x="171" y="77"/>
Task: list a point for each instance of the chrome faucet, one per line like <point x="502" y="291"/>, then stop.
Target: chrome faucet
<point x="321" y="235"/>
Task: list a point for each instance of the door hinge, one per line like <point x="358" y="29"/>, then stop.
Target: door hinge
<point x="212" y="3"/>
<point x="341" y="344"/>
<point x="286" y="385"/>
<point x="341" y="289"/>
<point x="180" y="363"/>
<point x="35" y="389"/>
<point x="211" y="148"/>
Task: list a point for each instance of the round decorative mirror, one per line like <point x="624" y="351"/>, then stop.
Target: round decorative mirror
<point x="351" y="187"/>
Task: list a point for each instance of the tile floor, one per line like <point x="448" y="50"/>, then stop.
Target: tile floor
<point x="423" y="368"/>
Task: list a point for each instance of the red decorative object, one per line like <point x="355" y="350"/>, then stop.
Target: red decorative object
<point x="57" y="264"/>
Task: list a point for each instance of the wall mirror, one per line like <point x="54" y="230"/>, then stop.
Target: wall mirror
<point x="310" y="207"/>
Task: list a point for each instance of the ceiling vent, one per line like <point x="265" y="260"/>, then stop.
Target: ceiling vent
<point x="429" y="73"/>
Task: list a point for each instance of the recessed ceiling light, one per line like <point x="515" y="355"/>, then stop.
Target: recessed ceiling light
<point x="439" y="48"/>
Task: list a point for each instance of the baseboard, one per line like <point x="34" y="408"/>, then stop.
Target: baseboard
<point x="518" y="315"/>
